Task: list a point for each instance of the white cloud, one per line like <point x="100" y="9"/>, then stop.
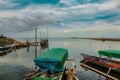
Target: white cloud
<point x="4" y="2"/>
<point x="7" y="4"/>
<point x="93" y="8"/>
<point x="75" y="17"/>
<point x="110" y="5"/>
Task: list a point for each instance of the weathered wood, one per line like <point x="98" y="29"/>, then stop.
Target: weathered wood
<point x="98" y="71"/>
<point x="30" y="74"/>
<point x="36" y="73"/>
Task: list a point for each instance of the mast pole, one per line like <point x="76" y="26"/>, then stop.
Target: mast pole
<point x="35" y="46"/>
<point x="48" y="38"/>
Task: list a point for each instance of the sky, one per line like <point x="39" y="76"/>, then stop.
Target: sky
<point x="64" y="18"/>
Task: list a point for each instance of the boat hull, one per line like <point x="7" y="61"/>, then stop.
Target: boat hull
<point x="5" y="48"/>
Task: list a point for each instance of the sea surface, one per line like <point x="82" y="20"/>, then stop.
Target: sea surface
<point x="16" y="64"/>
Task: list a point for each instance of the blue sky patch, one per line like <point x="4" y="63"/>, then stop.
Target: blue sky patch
<point x="106" y="16"/>
<point x="90" y="1"/>
<point x="46" y="1"/>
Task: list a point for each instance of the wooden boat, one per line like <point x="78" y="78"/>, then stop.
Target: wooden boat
<point x="53" y="59"/>
<point x="102" y="61"/>
<point x="6" y="48"/>
<point x="104" y="66"/>
<point x="44" y="42"/>
<point x="67" y="74"/>
<point x="51" y="66"/>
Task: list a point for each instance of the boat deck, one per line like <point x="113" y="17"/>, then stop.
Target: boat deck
<point x="103" y="70"/>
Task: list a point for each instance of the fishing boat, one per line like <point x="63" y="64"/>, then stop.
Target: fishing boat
<point x="44" y="43"/>
<point x="6" y="48"/>
<point x="51" y="66"/>
<point x="105" y="66"/>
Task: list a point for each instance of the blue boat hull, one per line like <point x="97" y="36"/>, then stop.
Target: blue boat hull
<point x="5" y="48"/>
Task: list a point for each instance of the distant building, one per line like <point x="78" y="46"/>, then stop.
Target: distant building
<point x="2" y="36"/>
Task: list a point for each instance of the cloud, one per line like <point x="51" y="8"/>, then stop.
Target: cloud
<point x="27" y="22"/>
<point x="71" y="15"/>
<point x="13" y="4"/>
<point x="20" y="4"/>
<point x="80" y="2"/>
<point x="90" y="11"/>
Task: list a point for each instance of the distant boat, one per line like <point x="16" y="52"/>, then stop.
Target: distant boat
<point x="6" y="48"/>
<point x="44" y="42"/>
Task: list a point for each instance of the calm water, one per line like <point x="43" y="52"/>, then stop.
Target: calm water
<point x="14" y="65"/>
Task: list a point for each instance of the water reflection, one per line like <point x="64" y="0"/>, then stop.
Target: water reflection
<point x="12" y="72"/>
<point x="28" y="48"/>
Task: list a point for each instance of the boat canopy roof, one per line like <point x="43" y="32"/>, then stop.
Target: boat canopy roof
<point x="110" y="53"/>
<point x="53" y="59"/>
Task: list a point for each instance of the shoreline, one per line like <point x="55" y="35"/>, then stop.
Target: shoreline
<point x="101" y="39"/>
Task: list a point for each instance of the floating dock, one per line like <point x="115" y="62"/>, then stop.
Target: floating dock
<point x="108" y="72"/>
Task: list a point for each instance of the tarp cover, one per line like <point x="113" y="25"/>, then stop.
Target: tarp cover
<point x="110" y="53"/>
<point x="53" y="60"/>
